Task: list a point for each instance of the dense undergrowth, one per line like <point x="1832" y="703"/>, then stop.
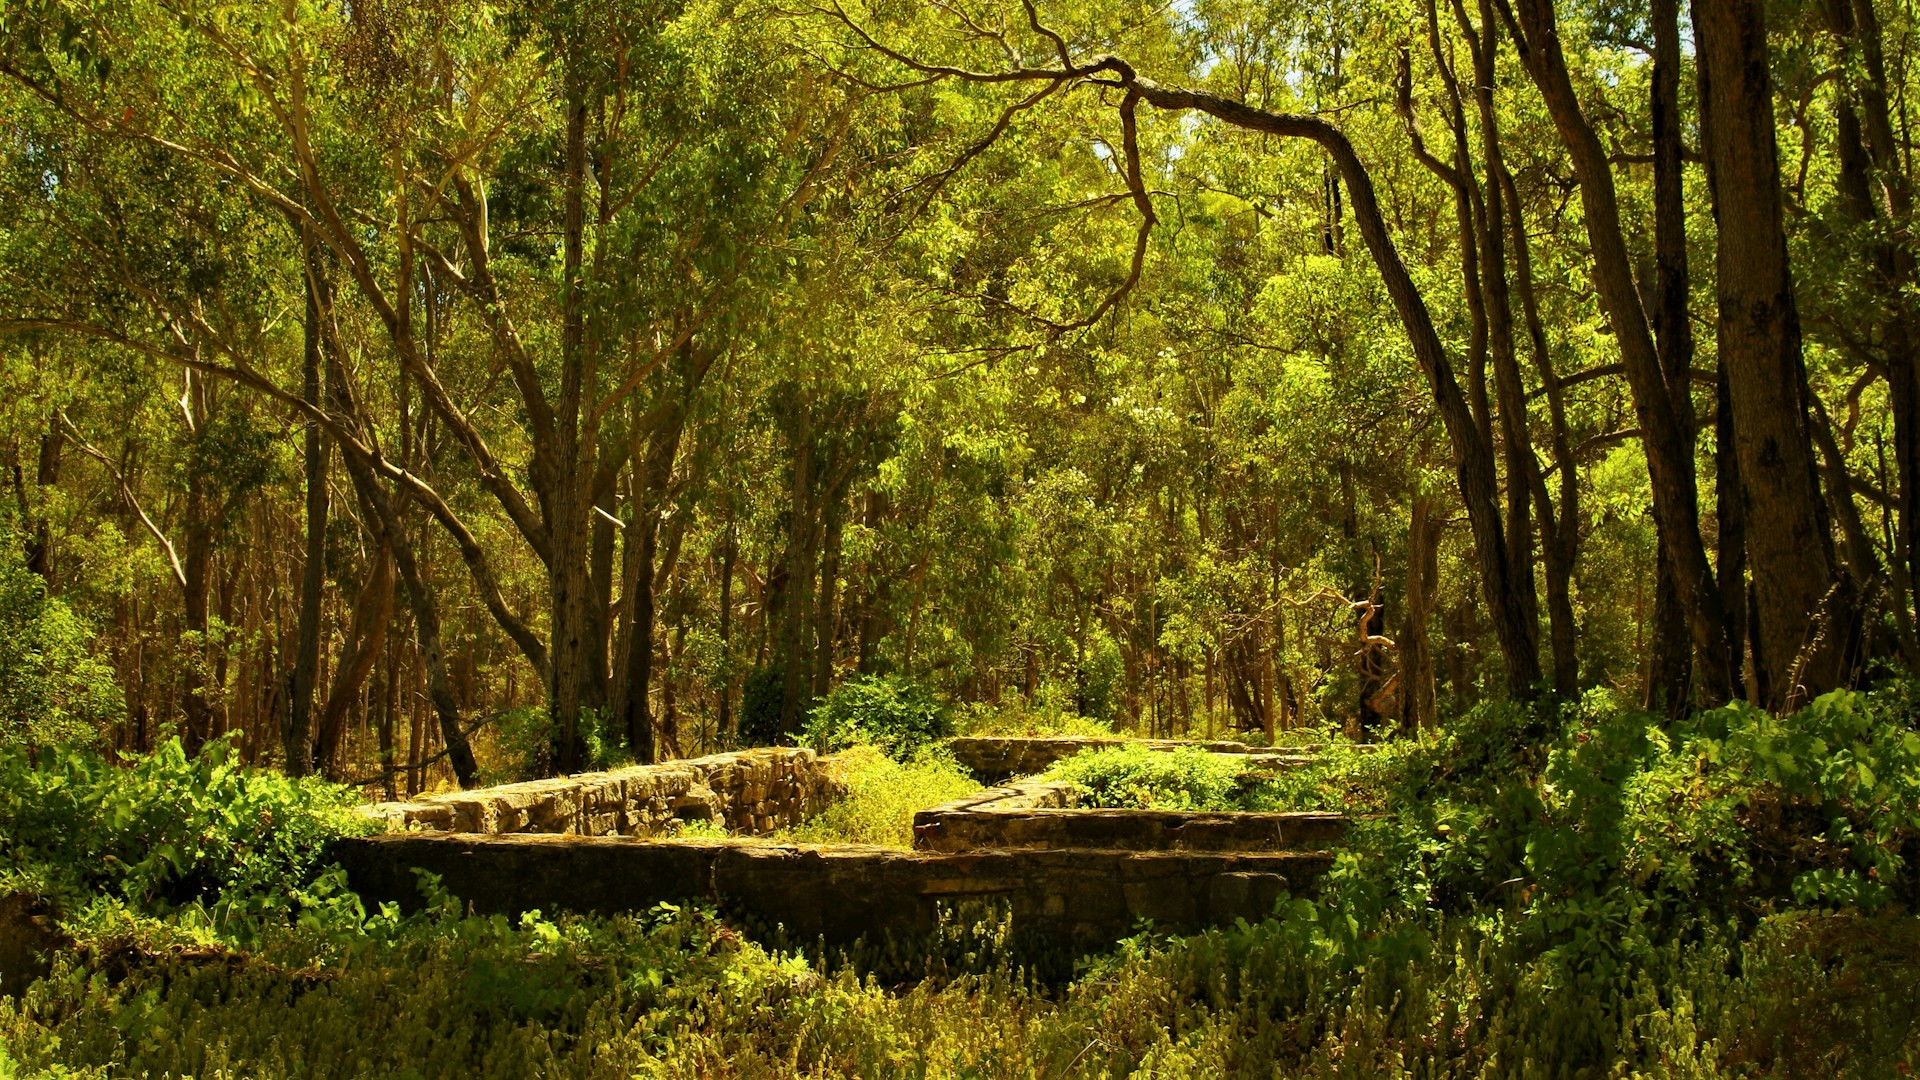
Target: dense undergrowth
<point x="882" y="795"/>
<point x="1573" y="890"/>
<point x="1136" y="777"/>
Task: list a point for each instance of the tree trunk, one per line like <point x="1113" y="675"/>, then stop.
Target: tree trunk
<point x="801" y="547"/>
<point x="306" y="657"/>
<point x="1658" y="406"/>
<point x="1416" y="653"/>
<point x="1669" y="663"/>
<point x="729" y="551"/>
<point x="569" y="502"/>
<point x="426" y="622"/>
<point x="1804" y="608"/>
<point x="1473" y="457"/>
<point x="33" y="516"/>
<point x="1731" y="553"/>
<point x="825" y="609"/>
<point x="196" y="564"/>
<point x="366" y="638"/>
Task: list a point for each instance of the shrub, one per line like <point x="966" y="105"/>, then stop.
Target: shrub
<point x="891" y="712"/>
<point x="760" y="696"/>
<point x="518" y="744"/>
<point x="166" y="832"/>
<point x="1136" y="776"/>
<point x="882" y="797"/>
<point x="1019" y="720"/>
<point x="52" y="688"/>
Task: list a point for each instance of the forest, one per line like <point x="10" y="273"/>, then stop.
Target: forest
<point x="1510" y="409"/>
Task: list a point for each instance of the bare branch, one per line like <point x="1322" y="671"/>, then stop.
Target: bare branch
<point x="126" y="493"/>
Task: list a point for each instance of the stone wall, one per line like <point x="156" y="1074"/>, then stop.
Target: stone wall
<point x="1039" y="814"/>
<point x="1081" y="899"/>
<point x="995" y="758"/>
<point x="750" y="792"/>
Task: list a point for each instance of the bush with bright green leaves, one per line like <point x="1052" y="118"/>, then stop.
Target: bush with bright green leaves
<point x="163" y="831"/>
<point x="891" y="712"/>
<point x="1021" y="721"/>
<point x="1138" y="777"/>
<point x="53" y="689"/>
<point x="882" y="795"/>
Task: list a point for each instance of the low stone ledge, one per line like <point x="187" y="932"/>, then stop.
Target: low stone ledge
<point x="996" y="758"/>
<point x="749" y="791"/>
<point x="1127" y="830"/>
<point x="1043" y="814"/>
<point x="1083" y="899"/>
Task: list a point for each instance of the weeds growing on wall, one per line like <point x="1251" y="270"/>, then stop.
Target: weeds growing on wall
<point x="1138" y="777"/>
<point x="882" y="796"/>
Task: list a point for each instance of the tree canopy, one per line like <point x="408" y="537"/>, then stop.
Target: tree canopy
<point x="382" y="376"/>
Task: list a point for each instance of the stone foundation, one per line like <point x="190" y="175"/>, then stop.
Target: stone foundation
<point x="1075" y="878"/>
<point x="749" y="792"/>
<point x="1079" y="899"/>
<point x="1039" y="814"/>
<point x="996" y="758"/>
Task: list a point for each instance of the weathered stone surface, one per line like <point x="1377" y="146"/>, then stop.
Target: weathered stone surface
<point x="1081" y="898"/>
<point x="1043" y="814"/>
<point x="1126" y="830"/>
<point x="995" y="758"/>
<point x="749" y="791"/>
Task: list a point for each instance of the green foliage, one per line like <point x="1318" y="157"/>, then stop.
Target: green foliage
<point x="53" y="689"/>
<point x="1551" y="891"/>
<point x="164" y="831"/>
<point x="882" y="795"/>
<point x="1017" y="720"/>
<point x="519" y="744"/>
<point x="1136" y="776"/>
<point x="1316" y="991"/>
<point x="760" y="696"/>
<point x="430" y="995"/>
<point x="896" y="714"/>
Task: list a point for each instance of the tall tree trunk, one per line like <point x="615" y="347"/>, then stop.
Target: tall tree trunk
<point x="1804" y="607"/>
<point x="877" y="594"/>
<point x="801" y="549"/>
<point x="1659" y="406"/>
<point x="1877" y="194"/>
<point x="426" y="620"/>
<point x="568" y="500"/>
<point x="1473" y="457"/>
<point x="1522" y="465"/>
<point x="634" y="675"/>
<point x="366" y="638"/>
<point x="306" y="657"/>
<point x="389" y="530"/>
<point x="825" y="609"/>
<point x="1669" y="663"/>
<point x="389" y="706"/>
<point x="1731" y="517"/>
<point x="729" y="551"/>
<point x="1416" y="652"/>
<point x="196" y="563"/>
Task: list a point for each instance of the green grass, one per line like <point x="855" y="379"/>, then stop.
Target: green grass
<point x="882" y="797"/>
